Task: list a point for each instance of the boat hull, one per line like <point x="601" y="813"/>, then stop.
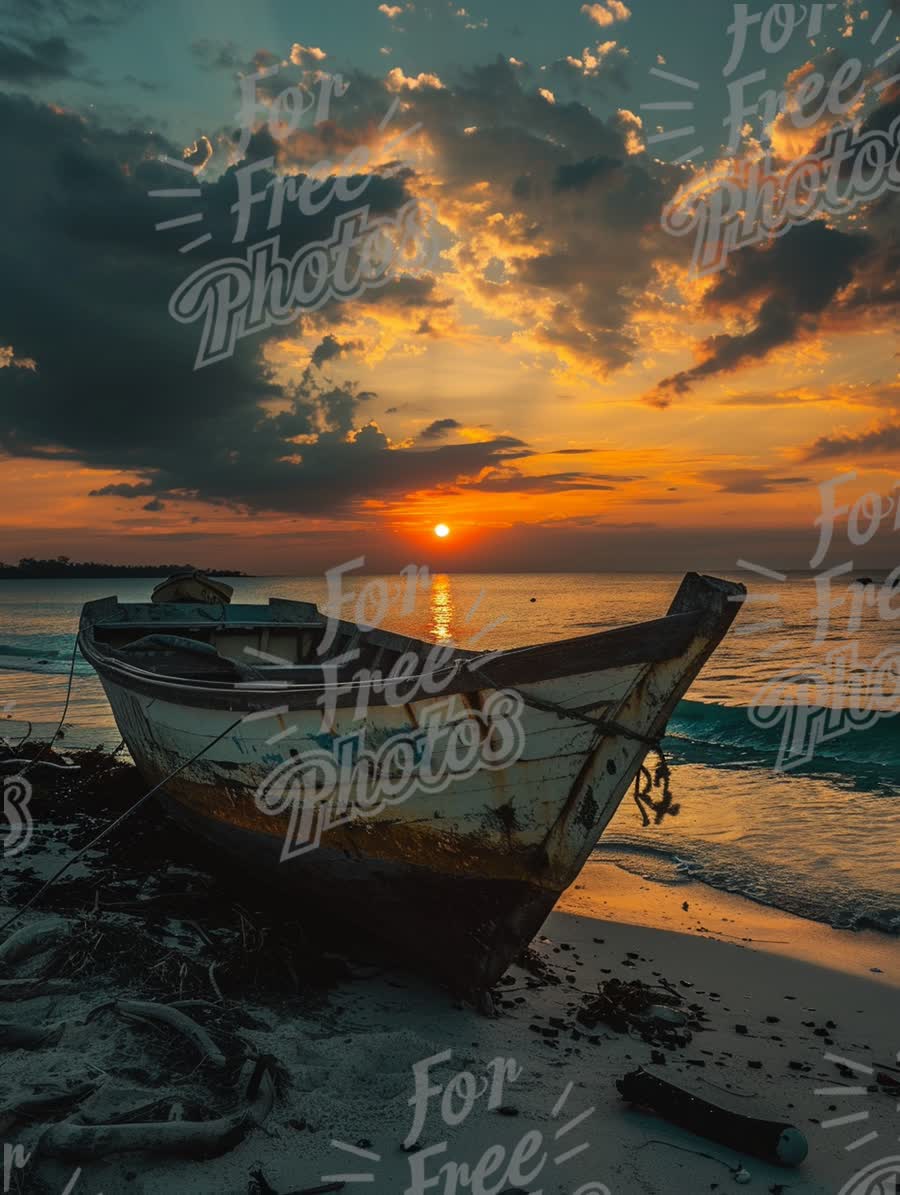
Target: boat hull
<point x="457" y="877"/>
<point x="464" y="930"/>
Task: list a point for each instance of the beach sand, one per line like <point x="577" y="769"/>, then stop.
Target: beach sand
<point x="767" y="997"/>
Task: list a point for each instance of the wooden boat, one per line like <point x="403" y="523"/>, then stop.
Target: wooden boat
<point x="236" y="710"/>
<point x="192" y="587"/>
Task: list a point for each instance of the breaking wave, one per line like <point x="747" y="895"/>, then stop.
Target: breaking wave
<point x="724" y="735"/>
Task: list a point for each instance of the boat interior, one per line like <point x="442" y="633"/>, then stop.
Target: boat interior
<point x="228" y="643"/>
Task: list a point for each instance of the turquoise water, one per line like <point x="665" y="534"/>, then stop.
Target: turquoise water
<point x="820" y="838"/>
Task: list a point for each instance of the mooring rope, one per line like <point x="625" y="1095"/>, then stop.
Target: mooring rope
<point x="118" y="821"/>
<point x="645" y="781"/>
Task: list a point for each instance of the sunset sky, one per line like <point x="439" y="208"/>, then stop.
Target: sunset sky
<point x="556" y="385"/>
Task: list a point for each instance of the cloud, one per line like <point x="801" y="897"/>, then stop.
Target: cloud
<point x="607" y="13"/>
<point x="576" y="242"/>
<point x="439" y="428"/>
<point x="303" y="55"/>
<point x="632" y="127"/>
<point x="213" y="54"/>
<point x="36" y="60"/>
<point x="750" y="481"/>
<point x="509" y="480"/>
<point x="122" y="490"/>
<point x="847" y="394"/>
<point x="791" y="281"/>
<point x="114" y="385"/>
<point x="882" y="441"/>
<point x="81" y="16"/>
<point x="591" y="63"/>
<point x="578" y="176"/>
<point x="398" y="81"/>
<point x="803" y="120"/>
<point x="574" y="236"/>
<point x="330" y="349"/>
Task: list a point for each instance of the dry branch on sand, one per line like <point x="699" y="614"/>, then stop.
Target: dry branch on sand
<point x="43" y="1105"/>
<point x="184" y="1138"/>
<point x="16" y="1036"/>
<point x="149" y="1012"/>
<point x="31" y="940"/>
<point x="27" y="989"/>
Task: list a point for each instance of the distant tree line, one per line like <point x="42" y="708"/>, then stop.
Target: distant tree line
<point x="62" y="566"/>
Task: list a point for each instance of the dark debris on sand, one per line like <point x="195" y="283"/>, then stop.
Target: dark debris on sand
<point x="150" y="907"/>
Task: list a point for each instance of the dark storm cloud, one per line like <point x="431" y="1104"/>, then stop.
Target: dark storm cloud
<point x="122" y="489"/>
<point x="217" y="55"/>
<point x="88" y="16"/>
<point x="877" y="284"/>
<point x="35" y="60"/>
<point x="792" y="282"/>
<point x="329" y="349"/>
<point x="811" y="271"/>
<point x="879" y="441"/>
<point x="439" y="428"/>
<point x="115" y="386"/>
<point x="579" y="175"/>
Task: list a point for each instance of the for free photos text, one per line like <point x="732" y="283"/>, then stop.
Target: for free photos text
<point x="238" y="296"/>
<point x="814" y="706"/>
<point x="752" y="199"/>
<point x="516" y="1165"/>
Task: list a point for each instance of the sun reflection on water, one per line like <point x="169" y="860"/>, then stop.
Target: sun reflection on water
<point x="441" y="608"/>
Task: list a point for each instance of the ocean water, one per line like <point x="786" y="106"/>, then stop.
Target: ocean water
<point x="785" y="753"/>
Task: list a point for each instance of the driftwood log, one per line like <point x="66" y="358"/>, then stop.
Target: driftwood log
<point x="185" y="1138"/>
<point x="32" y="939"/>
<point x="771" y="1140"/>
<point x="173" y="1018"/>
<point x="15" y="1036"/>
<point x="39" y="1106"/>
<point x="27" y="989"/>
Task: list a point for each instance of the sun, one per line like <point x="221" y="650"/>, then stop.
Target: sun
<point x="442" y="530"/>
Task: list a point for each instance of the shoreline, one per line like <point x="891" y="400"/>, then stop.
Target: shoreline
<point x="605" y="890"/>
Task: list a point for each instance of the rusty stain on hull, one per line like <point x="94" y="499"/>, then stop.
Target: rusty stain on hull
<point x="378" y="839"/>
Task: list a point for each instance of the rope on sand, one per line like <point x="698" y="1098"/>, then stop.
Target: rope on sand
<point x="113" y="825"/>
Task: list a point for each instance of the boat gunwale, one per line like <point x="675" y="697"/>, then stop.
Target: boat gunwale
<point x="636" y="643"/>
